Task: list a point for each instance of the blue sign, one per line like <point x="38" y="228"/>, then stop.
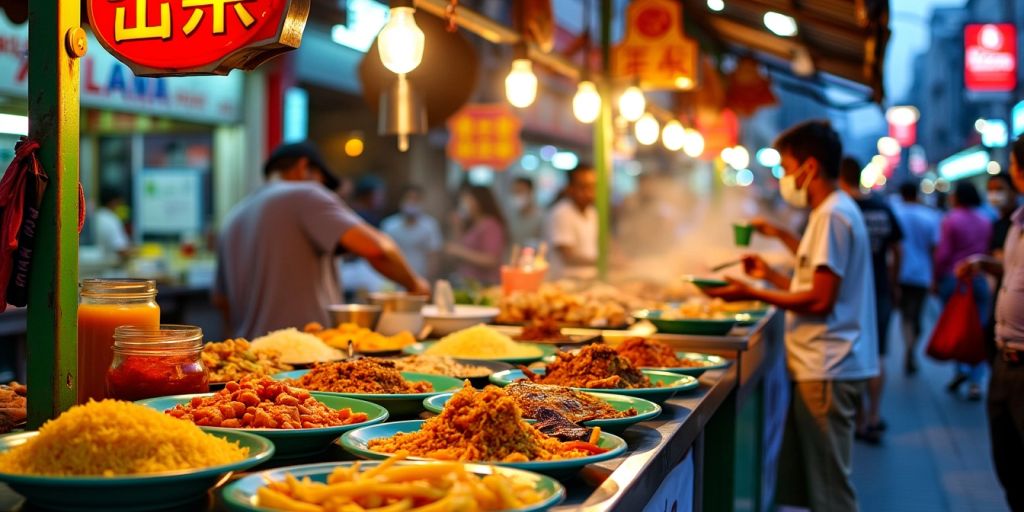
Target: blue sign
<point x="964" y="164"/>
<point x="1017" y="116"/>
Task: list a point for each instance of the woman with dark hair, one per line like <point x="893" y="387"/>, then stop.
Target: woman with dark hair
<point x="964" y="232"/>
<point x="478" y="234"/>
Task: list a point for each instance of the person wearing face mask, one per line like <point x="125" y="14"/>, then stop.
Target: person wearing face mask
<point x="1003" y="197"/>
<point x="276" y="249"/>
<point x="831" y="340"/>
<point x="416" y="233"/>
<point x="525" y="218"/>
<point x="478" y="237"/>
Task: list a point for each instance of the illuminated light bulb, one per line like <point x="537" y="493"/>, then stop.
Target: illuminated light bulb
<point x="354" y="147"/>
<point x="888" y="146"/>
<point x="693" y="143"/>
<point x="993" y="168"/>
<point x="768" y="157"/>
<point x="586" y="104"/>
<point x="716" y="5"/>
<point x="647" y="129"/>
<point x="632" y="103"/>
<point x="400" y="42"/>
<point x="521" y="84"/>
<point x="673" y="135"/>
<point x="726" y="155"/>
<point x="739" y="157"/>
<point x="780" y="24"/>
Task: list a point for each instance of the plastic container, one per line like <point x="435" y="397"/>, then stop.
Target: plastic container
<point x="104" y="305"/>
<point x="515" y="279"/>
<point x="149" y="363"/>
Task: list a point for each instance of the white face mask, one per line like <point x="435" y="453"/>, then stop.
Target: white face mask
<point x="998" y="198"/>
<point x="519" y="202"/>
<point x="796" y="197"/>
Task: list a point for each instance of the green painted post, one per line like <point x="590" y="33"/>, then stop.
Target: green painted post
<point x="53" y="85"/>
<point x="604" y="136"/>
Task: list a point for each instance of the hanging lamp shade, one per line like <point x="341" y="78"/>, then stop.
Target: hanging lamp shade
<point x="402" y="112"/>
<point x="444" y="80"/>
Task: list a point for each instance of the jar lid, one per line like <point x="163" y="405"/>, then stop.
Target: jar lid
<point x="166" y="337"/>
<point x="117" y="287"/>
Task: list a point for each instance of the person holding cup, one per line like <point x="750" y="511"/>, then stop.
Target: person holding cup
<point x="831" y="342"/>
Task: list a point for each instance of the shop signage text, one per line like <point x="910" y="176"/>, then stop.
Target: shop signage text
<point x="110" y="85"/>
<point x="484" y="135"/>
<point x="990" y="57"/>
<point x="197" y="37"/>
<point x="655" y="52"/>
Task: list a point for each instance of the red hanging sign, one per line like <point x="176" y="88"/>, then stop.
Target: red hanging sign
<point x="990" y="57"/>
<point x="484" y="134"/>
<point x="654" y="51"/>
<point x="197" y="37"/>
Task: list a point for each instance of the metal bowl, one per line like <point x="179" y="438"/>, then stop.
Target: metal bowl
<point x="363" y="315"/>
<point x="398" y="302"/>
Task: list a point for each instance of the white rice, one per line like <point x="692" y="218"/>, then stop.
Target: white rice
<point x="296" y="347"/>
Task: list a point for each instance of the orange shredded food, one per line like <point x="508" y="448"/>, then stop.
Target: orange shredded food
<point x="481" y="426"/>
<point x="365" y="375"/>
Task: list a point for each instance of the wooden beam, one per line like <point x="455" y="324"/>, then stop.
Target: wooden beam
<point x="53" y="85"/>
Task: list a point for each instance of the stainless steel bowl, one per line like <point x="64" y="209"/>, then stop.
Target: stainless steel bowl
<point x="363" y="315"/>
<point x="398" y="302"/>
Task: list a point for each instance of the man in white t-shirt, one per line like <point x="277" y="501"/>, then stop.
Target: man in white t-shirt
<point x="831" y="337"/>
<point x="572" y="228"/>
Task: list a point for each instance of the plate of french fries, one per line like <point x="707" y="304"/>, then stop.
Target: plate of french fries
<point x="394" y="484"/>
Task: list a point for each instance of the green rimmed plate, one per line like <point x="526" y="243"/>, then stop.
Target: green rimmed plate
<point x="357" y="442"/>
<point x="705" y="282"/>
<point x="672" y="383"/>
<point x="241" y="495"/>
<point x="158" y="491"/>
<point x="692" y="326"/>
<point x="544" y="350"/>
<point x="645" y="410"/>
<point x="710" y="362"/>
<point x="399" y="404"/>
<point x="289" y="443"/>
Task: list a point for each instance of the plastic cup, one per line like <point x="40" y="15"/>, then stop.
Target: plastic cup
<point x="742" y="233"/>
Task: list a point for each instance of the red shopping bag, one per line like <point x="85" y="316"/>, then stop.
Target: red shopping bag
<point x="958" y="335"/>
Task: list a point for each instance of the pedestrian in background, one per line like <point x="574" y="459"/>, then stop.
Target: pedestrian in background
<point x="920" y="226"/>
<point x="886" y="251"/>
<point x="1006" y="387"/>
<point x="831" y="345"/>
<point x="417" y="234"/>
<point x="478" y="237"/>
<point x="964" y="232"/>
<point x="573" y="226"/>
<point x="525" y="217"/>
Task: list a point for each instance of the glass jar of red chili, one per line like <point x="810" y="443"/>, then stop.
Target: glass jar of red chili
<point x="149" y="363"/>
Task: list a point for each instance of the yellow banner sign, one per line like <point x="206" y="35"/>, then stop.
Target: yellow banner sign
<point x="655" y="51"/>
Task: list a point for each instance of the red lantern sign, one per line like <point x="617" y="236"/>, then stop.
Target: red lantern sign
<point x="197" y="37"/>
<point x="654" y="51"/>
<point x="990" y="57"/>
<point x="484" y="134"/>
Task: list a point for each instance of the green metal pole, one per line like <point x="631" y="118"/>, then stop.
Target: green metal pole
<point x="604" y="137"/>
<point x="53" y="87"/>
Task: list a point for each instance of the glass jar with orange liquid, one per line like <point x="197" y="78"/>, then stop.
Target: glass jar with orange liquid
<point x="104" y="305"/>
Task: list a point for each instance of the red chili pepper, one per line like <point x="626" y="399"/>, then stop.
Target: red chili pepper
<point x="584" y="446"/>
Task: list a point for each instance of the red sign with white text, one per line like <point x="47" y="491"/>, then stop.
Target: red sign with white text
<point x="990" y="57"/>
<point x="197" y="37"/>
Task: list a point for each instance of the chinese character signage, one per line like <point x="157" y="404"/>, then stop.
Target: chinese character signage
<point x="197" y="37"/>
<point x="990" y="57"/>
<point x="484" y="134"/>
<point x="655" y="51"/>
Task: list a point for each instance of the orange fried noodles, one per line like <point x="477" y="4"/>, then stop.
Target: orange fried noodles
<point x="594" y="366"/>
<point x="365" y="375"/>
<point x="482" y="426"/>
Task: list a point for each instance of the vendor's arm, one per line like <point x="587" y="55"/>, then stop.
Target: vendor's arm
<point x="819" y="300"/>
<point x="757" y="268"/>
<point x="990" y="265"/>
<point x="382" y="253"/>
<point x="787" y="237"/>
<point x="329" y="223"/>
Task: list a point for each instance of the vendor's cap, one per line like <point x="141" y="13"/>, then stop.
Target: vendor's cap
<point x="298" y="150"/>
